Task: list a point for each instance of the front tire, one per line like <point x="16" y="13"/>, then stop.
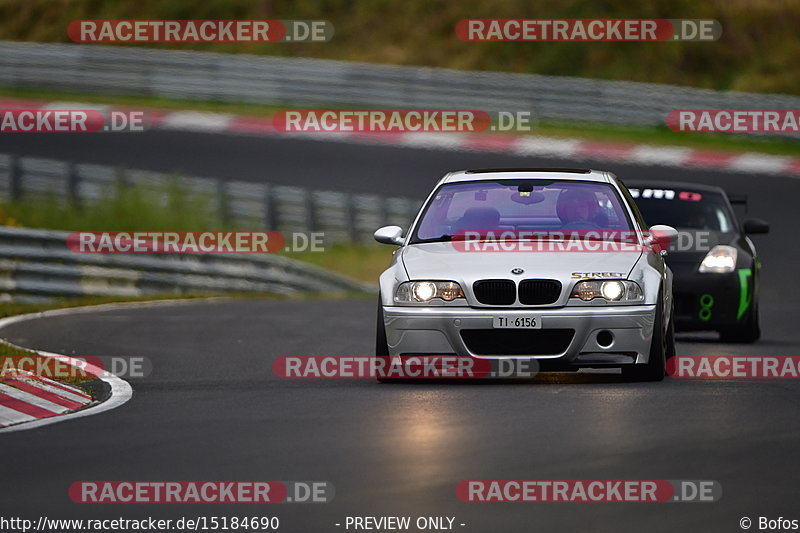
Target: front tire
<point x="655" y="368"/>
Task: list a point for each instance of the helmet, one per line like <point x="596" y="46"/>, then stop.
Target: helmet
<point x="575" y="205"/>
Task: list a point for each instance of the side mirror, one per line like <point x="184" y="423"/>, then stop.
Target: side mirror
<point x="661" y="236"/>
<point x="389" y="235"/>
<point x="753" y="226"/>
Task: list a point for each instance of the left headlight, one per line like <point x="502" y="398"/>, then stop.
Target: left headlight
<point x="425" y="291"/>
<point x="721" y="259"/>
<point x="611" y="290"/>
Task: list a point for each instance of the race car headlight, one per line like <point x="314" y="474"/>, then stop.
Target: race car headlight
<point x="425" y="291"/>
<point x="721" y="259"/>
<point x="611" y="290"/>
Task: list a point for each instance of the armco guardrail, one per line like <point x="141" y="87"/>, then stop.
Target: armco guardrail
<point x="313" y="82"/>
<point x="342" y="217"/>
<point x="36" y="264"/>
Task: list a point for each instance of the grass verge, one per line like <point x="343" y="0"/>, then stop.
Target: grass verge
<point x="118" y="208"/>
<point x="361" y="262"/>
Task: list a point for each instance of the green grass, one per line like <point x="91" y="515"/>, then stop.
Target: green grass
<point x="10" y="359"/>
<point x="361" y="262"/>
<point x="757" y="51"/>
<point x="132" y="100"/>
<point x="119" y="208"/>
<point x="658" y="136"/>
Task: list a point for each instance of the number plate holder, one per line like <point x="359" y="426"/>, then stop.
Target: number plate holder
<point x="517" y="322"/>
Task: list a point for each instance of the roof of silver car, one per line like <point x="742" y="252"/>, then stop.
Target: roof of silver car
<point x="530" y="173"/>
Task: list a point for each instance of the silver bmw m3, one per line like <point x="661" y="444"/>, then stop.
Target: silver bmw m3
<point x="551" y="265"/>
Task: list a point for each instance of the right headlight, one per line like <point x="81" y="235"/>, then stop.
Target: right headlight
<point x="721" y="259"/>
<point x="611" y="290"/>
<point x="425" y="291"/>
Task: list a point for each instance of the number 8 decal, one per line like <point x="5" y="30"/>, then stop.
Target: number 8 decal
<point x="706" y="303"/>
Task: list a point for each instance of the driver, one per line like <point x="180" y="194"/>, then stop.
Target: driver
<point x="577" y="207"/>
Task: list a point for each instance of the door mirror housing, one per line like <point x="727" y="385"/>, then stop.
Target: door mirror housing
<point x="389" y="235"/>
<point x="661" y="236"/>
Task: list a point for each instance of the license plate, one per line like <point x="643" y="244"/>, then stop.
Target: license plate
<point x="517" y="322"/>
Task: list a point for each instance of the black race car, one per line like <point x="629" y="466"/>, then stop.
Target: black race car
<point x="714" y="263"/>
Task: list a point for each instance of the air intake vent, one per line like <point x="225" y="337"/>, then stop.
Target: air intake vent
<point x="517" y="341"/>
<point x="495" y="291"/>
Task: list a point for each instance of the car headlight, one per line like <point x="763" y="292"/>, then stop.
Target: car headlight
<point x="721" y="259"/>
<point x="425" y="291"/>
<point x="611" y="290"/>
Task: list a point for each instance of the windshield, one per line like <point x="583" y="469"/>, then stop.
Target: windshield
<point x="521" y="206"/>
<point x="697" y="210"/>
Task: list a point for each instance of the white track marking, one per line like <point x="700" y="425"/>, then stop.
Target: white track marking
<point x="546" y="146"/>
<point x="660" y="155"/>
<point x="32" y="399"/>
<point x="196" y="121"/>
<point x="10" y="416"/>
<point x="68" y="395"/>
<point x="767" y="164"/>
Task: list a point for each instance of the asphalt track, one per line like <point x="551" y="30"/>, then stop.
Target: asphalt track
<point x="282" y="160"/>
<point x="212" y="409"/>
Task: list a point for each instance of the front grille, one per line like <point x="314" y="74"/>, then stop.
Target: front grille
<point x="495" y="291"/>
<point x="539" y="291"/>
<point x="517" y="341"/>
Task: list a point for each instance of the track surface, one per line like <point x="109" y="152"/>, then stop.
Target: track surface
<point x="212" y="409"/>
<point x="289" y="161"/>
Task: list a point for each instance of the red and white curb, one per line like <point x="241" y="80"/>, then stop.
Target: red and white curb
<point x="25" y="397"/>
<point x="28" y="401"/>
<point x="524" y="145"/>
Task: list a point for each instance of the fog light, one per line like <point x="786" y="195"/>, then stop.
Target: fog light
<point x="605" y="338"/>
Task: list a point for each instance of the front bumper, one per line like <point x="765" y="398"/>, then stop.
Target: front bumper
<point x="568" y="338"/>
<point x="711" y="301"/>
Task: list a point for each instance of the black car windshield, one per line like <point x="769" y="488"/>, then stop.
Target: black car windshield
<point x="685" y="209"/>
<point x="522" y="206"/>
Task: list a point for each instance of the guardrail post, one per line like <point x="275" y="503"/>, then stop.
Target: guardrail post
<point x="121" y="178"/>
<point x="412" y="210"/>
<point x="15" y="177"/>
<point x="311" y="211"/>
<point x="73" y="183"/>
<point x="383" y="206"/>
<point x="352" y="219"/>
<point x="223" y="202"/>
<point x="270" y="209"/>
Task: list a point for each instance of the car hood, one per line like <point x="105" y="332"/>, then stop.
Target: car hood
<point x="441" y="261"/>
